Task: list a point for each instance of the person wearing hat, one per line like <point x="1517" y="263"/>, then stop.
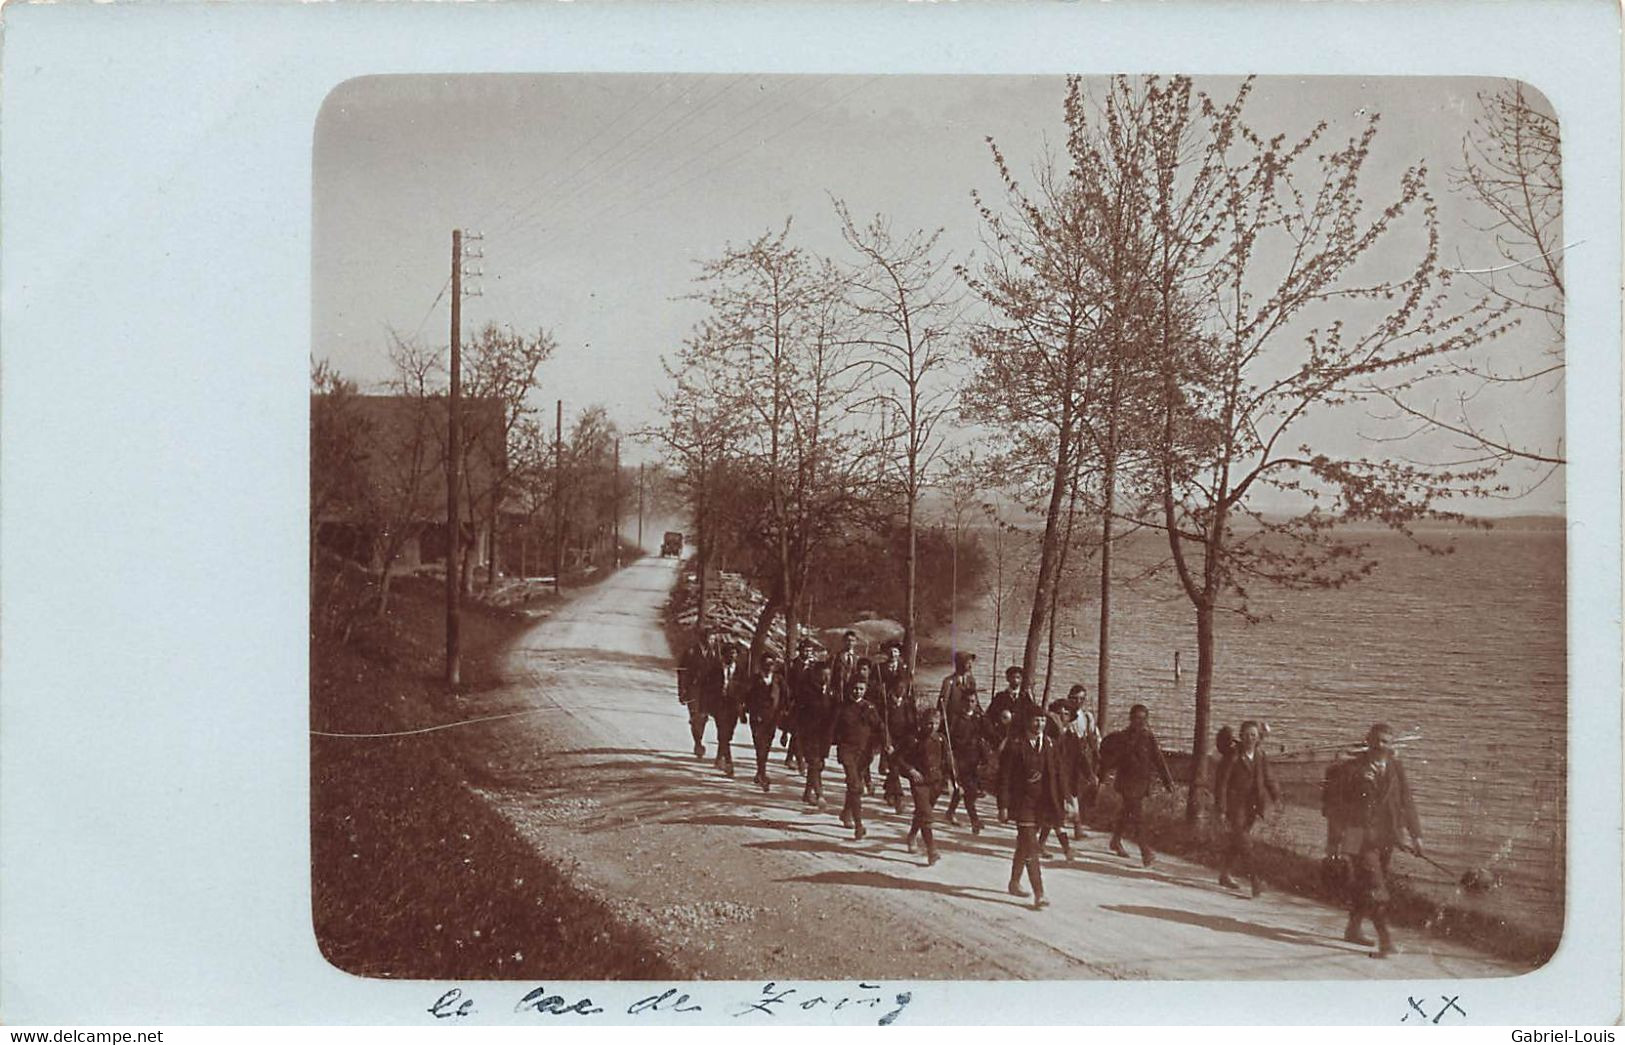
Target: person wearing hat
<point x="722" y="696"/>
<point x="1386" y="815"/>
<point x="968" y="739"/>
<point x="1031" y="782"/>
<point x="958" y="691"/>
<point x="764" y="697"/>
<point x="796" y="675"/>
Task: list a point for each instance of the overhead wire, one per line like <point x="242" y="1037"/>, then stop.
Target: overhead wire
<point x="711" y="150"/>
<point x="561" y="202"/>
<point x="542" y="197"/>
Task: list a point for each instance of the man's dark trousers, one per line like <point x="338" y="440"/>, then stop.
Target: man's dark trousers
<point x="727" y="722"/>
<point x="852" y="762"/>
<point x="761" y="734"/>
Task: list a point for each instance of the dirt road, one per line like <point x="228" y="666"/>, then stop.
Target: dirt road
<point x="741" y="885"/>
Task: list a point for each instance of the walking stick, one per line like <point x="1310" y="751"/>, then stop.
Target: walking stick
<point x="948" y="728"/>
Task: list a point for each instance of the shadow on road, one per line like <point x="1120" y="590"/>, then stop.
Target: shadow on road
<point x="1224" y="924"/>
<point x="881" y="880"/>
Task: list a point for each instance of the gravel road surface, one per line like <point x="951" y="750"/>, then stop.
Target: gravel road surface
<point x="736" y="884"/>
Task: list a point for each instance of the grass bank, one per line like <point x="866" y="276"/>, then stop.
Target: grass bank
<point x="1292" y="871"/>
<point x="412" y="875"/>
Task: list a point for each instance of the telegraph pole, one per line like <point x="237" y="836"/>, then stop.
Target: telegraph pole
<point x="640" y="504"/>
<point x="617" y="538"/>
<point x="454" y="454"/>
<point x="558" y="493"/>
<point x="454" y="460"/>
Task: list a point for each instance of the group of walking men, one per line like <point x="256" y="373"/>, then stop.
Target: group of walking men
<point x="1043" y="765"/>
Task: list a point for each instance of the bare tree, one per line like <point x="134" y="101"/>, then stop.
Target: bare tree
<point x="698" y="436"/>
<point x="500" y="371"/>
<point x="1032" y="354"/>
<point x="904" y="296"/>
<point x="1512" y="168"/>
<point x="776" y="328"/>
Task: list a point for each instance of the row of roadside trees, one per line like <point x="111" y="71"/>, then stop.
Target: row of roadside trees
<point x="1166" y="321"/>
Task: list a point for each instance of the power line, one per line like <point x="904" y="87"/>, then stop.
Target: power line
<point x="709" y="150"/>
<point x="491" y="215"/>
<point x="606" y="151"/>
<point x="611" y="207"/>
<point x="569" y="194"/>
<point x="430" y="311"/>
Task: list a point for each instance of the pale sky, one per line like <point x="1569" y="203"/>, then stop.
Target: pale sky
<point x="599" y="194"/>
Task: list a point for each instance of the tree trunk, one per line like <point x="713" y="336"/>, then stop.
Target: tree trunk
<point x="1060" y="578"/>
<point x="1204" y="691"/>
<point x="1050" y="550"/>
<point x="700" y="548"/>
<point x="1104" y="652"/>
<point x="491" y="547"/>
<point x="910" y="643"/>
<point x="792" y="620"/>
<point x="764" y="621"/>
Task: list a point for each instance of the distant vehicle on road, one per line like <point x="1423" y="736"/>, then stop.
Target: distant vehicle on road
<point x="672" y="544"/>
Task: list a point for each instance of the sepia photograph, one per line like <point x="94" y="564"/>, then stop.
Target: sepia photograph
<point x="937" y="527"/>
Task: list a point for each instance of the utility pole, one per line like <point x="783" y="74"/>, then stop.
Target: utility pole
<point x="454" y="454"/>
<point x="558" y="493"/>
<point x="617" y="538"/>
<point x="454" y="459"/>
<point x="640" y="504"/>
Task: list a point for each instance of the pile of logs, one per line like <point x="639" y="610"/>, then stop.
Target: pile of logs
<point x="733" y="607"/>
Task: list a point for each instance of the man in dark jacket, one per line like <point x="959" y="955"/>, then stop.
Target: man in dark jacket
<point x="815" y="726"/>
<point x="797" y="673"/>
<point x="893" y="673"/>
<point x="967" y="736"/>
<point x="958" y="692"/>
<point x="1005" y="699"/>
<point x="764" y="697"/>
<point x="1387" y="814"/>
<point x="721" y="694"/>
<point x="856" y="724"/>
<point x="1243" y="791"/>
<point x="1032" y="787"/>
<point x="691" y="670"/>
<point x="1137" y="757"/>
<point x="844" y="665"/>
<point x="898" y="721"/>
<point x="922" y="757"/>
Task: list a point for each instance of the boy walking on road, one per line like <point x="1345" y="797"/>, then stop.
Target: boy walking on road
<point x="1137" y="756"/>
<point x="1386" y="815"/>
<point x="1033" y="794"/>
<point x="923" y="759"/>
<point x="764" y="698"/>
<point x="721" y="696"/>
<point x="856" y="725"/>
